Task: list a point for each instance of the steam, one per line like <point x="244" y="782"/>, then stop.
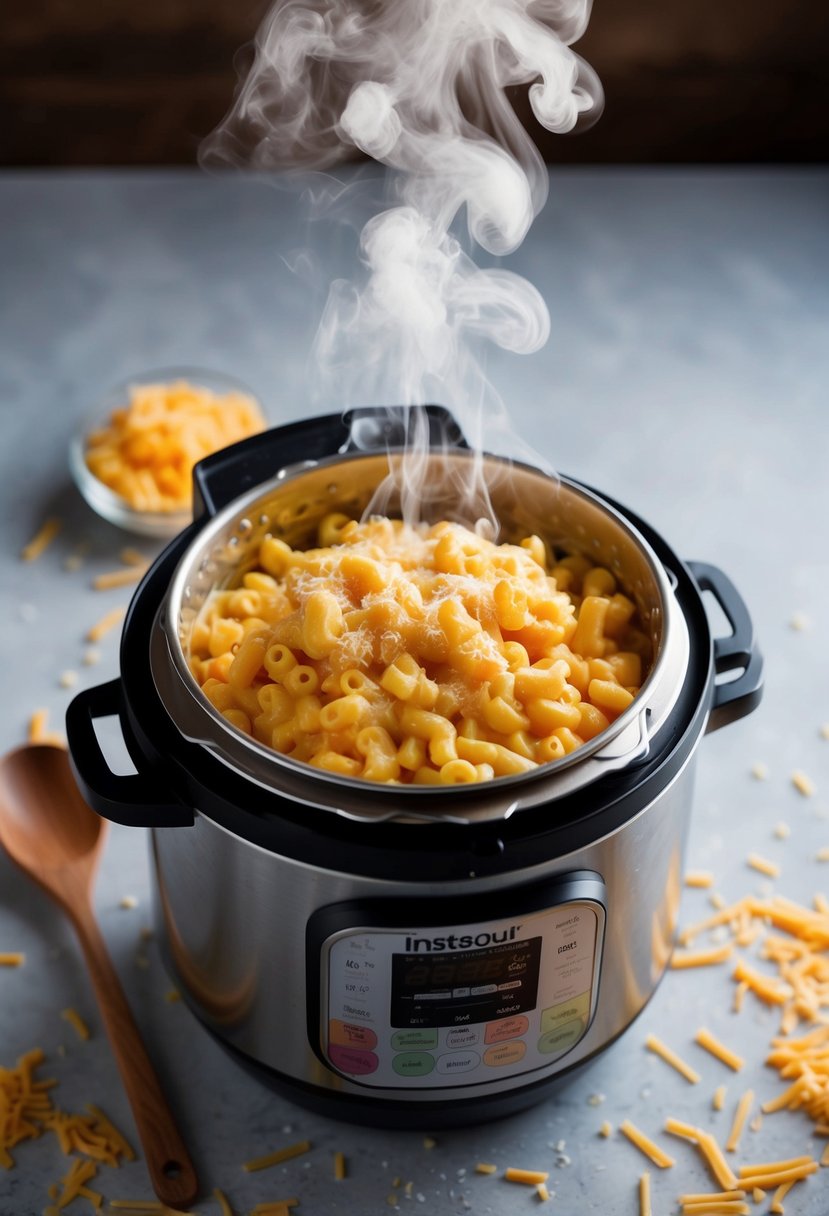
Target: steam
<point x="420" y="86"/>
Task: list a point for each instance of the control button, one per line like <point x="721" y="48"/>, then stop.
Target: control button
<point x="413" y="1040"/>
<point x="562" y="1038"/>
<point x="511" y="984"/>
<point x="458" y="1061"/>
<point x="434" y="996"/>
<point x="460" y="992"/>
<point x="485" y="990"/>
<point x="346" y="1035"/>
<point x="350" y="1060"/>
<point x="506" y="1053"/>
<point x="465" y="1037"/>
<point x="413" y="1064"/>
<point x="507" y="1028"/>
<point x="557" y="1015"/>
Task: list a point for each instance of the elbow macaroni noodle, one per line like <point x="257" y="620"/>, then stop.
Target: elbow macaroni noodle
<point x="425" y="655"/>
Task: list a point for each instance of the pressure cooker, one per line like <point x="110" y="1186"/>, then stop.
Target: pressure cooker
<point x="396" y="954"/>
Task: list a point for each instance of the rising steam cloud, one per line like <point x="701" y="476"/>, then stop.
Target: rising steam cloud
<point x="420" y="86"/>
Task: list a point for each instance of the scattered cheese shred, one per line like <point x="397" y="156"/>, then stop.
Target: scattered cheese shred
<point x="718" y="1100"/>
<point x="542" y="1192"/>
<point x="119" y="578"/>
<point x="763" y="865"/>
<point x="606" y="1129"/>
<point x="779" y="1195"/>
<point x="770" y="1167"/>
<point x="701" y="958"/>
<point x="107" y="622"/>
<point x="15" y="958"/>
<point x="699" y="878"/>
<point x="76" y="1022"/>
<point x="279" y="1207"/>
<point x="782" y="831"/>
<point x="223" y="1202"/>
<point x="822" y="854"/>
<point x="740" y="1117"/>
<point x="132" y="557"/>
<point x="526" y="1177"/>
<point x="659" y="1048"/>
<point x="767" y="1180"/>
<point x="281" y="1154"/>
<point x="768" y="989"/>
<point x="339" y="1167"/>
<point x="722" y="1207"/>
<point x="803" y="784"/>
<point x="717" y="1163"/>
<point x="712" y="1044"/>
<point x="712" y="1197"/>
<point x="486" y="1167"/>
<point x="645" y="1208"/>
<point x="645" y="1145"/>
<point x="41" y="541"/>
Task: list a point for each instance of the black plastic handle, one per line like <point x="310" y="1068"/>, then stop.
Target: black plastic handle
<point x="220" y="478"/>
<point x="736" y="651"/>
<point x="130" y="799"/>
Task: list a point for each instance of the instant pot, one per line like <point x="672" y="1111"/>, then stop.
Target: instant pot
<point x="405" y="955"/>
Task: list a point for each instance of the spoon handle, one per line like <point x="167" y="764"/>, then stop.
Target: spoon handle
<point x="171" y="1170"/>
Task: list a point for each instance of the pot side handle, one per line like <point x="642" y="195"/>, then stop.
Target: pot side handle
<point x="736" y="651"/>
<point x="220" y="478"/>
<point x="132" y="798"/>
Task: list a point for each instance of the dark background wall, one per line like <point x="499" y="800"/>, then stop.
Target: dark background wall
<point x="97" y="82"/>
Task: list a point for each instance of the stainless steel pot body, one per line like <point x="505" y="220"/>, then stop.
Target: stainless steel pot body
<point x="233" y="919"/>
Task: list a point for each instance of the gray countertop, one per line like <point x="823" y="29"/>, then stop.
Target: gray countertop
<point x="686" y="376"/>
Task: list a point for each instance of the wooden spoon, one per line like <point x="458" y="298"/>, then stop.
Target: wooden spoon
<point x="51" y="833"/>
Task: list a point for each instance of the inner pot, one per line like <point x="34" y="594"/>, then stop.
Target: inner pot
<point x="290" y="506"/>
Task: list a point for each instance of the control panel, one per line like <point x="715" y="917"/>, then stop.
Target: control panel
<point x="460" y="1004"/>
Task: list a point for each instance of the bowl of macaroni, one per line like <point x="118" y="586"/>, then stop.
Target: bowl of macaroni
<point x="133" y="458"/>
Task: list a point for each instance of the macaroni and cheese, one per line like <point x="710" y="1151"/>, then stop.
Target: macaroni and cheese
<point x="419" y="654"/>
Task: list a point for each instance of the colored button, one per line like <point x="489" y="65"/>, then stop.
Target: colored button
<point x="413" y="1064"/>
<point x="350" y="1060"/>
<point x="412" y="1040"/>
<point x="346" y="1035"/>
<point x="557" y="1015"/>
<point x="562" y="1038"/>
<point x="462" y="1038"/>
<point x="507" y="1028"/>
<point x="507" y="1053"/>
<point x="458" y="1061"/>
<point x="484" y="989"/>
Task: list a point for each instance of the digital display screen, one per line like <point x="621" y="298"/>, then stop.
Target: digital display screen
<point x="465" y="986"/>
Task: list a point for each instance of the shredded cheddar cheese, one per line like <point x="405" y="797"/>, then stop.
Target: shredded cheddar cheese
<point x="740" y="1117"/>
<point x="41" y="541"/>
<point x="803" y="784"/>
<point x="76" y="1022"/>
<point x="670" y="1057"/>
<point x="763" y="865"/>
<point x="718" y="1100"/>
<point x="147" y="451"/>
<point x="701" y="958"/>
<point x="276" y="1158"/>
<point x="526" y="1177"/>
<point x="645" y="1208"/>
<point x="119" y="578"/>
<point x="645" y="1145"/>
<point x="699" y="878"/>
<point x="339" y="1167"/>
<point x="712" y="1044"/>
<point x="542" y="1192"/>
<point x="107" y="622"/>
<point x="14" y="958"/>
<point x="224" y="1203"/>
<point x="486" y="1167"/>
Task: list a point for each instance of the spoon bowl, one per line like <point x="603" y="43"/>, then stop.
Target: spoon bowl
<point x="44" y="822"/>
<point x="57" y="839"/>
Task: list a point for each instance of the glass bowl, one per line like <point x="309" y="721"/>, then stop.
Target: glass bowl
<point x="107" y="502"/>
